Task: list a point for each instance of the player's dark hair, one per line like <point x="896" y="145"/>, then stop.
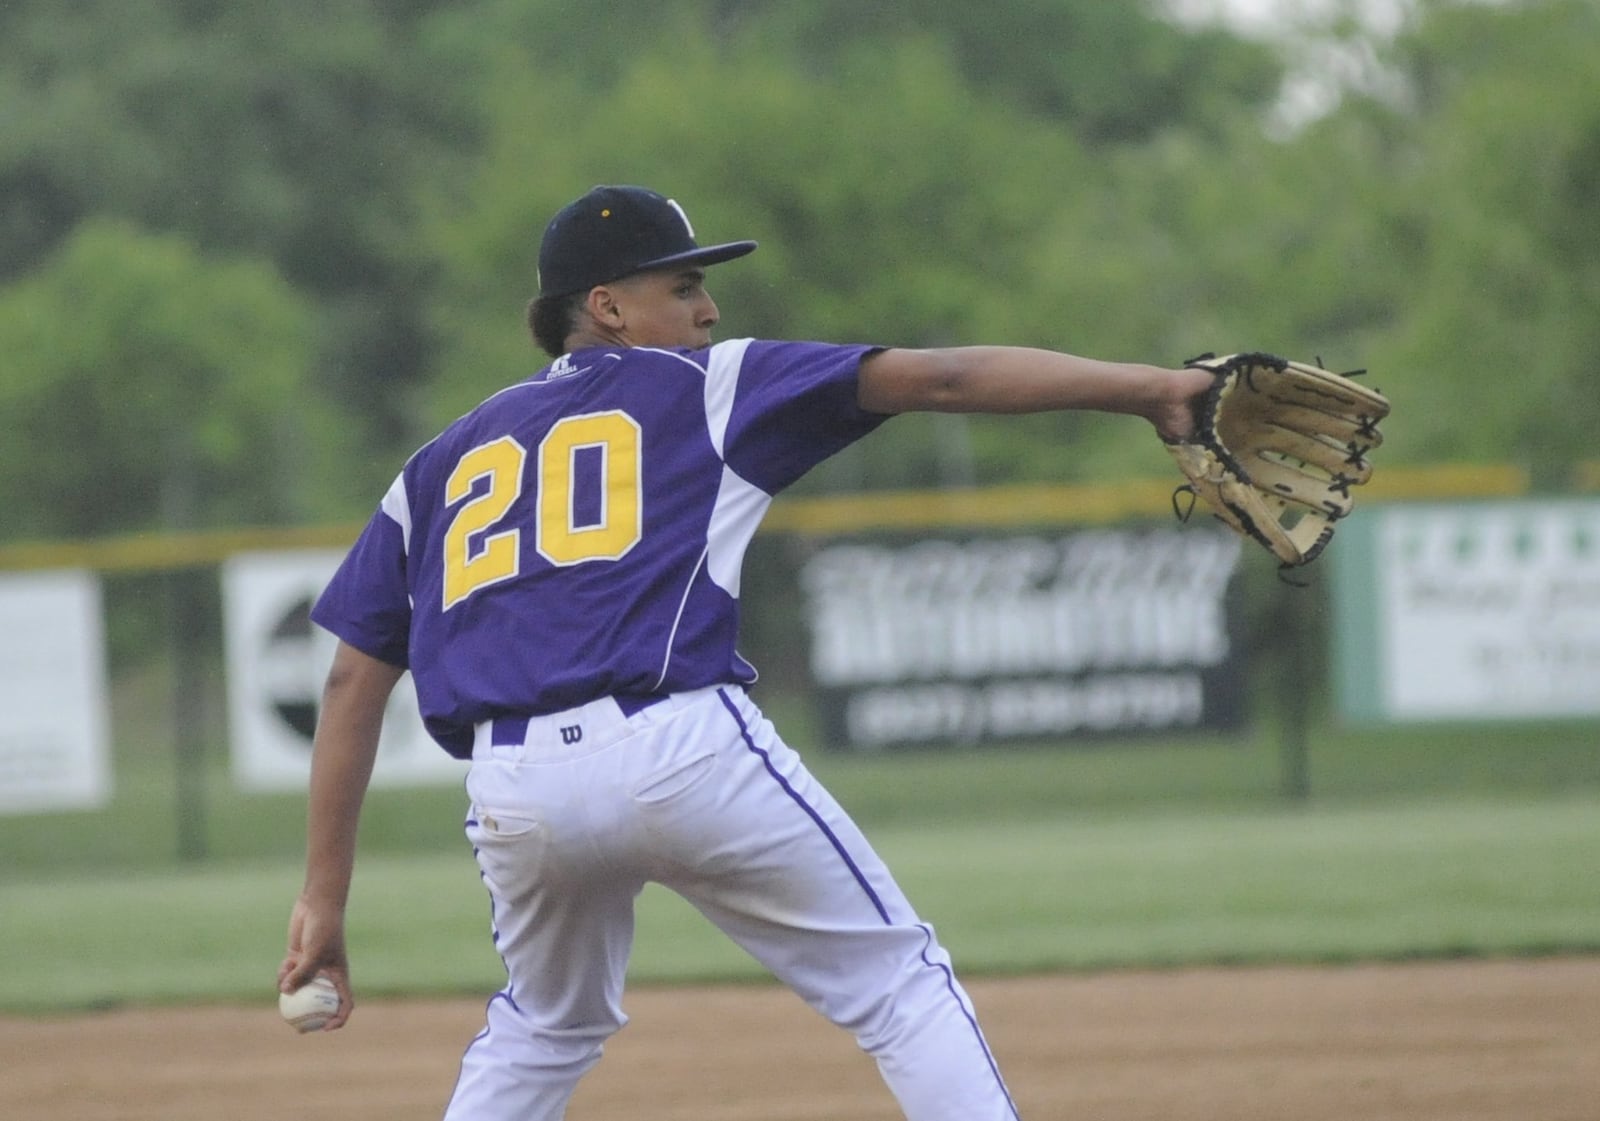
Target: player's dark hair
<point x="552" y="318"/>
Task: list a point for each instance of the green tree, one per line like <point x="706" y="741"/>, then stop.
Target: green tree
<point x="1107" y="72"/>
<point x="284" y="129"/>
<point x="1063" y="172"/>
<point x="1445" y="238"/>
<point x="1110" y="74"/>
<point x="148" y="386"/>
<point x="1501" y="319"/>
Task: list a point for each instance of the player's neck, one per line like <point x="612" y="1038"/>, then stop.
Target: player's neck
<point x="593" y="334"/>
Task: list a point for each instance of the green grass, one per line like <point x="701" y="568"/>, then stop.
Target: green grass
<point x="1077" y="890"/>
<point x="1427" y="840"/>
<point x="140" y="830"/>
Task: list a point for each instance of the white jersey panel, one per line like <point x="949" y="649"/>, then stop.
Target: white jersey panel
<point x="723" y="363"/>
<point x="738" y="512"/>
<point x="398" y="507"/>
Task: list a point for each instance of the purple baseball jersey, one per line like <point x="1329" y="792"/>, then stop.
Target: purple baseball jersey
<point x="580" y="534"/>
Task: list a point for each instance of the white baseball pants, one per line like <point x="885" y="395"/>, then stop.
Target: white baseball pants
<point x="697" y="793"/>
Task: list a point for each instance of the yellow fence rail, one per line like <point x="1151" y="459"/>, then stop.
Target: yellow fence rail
<point x="1013" y="506"/>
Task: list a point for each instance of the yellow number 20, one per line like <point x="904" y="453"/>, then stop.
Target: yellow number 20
<point x="612" y="525"/>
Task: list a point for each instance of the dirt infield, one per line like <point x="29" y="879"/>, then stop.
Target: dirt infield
<point x="1453" y="1041"/>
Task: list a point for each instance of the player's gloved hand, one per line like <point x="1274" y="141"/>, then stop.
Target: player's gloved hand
<point x="1276" y="448"/>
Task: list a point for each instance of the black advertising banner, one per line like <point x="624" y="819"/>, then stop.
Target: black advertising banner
<point x="963" y="640"/>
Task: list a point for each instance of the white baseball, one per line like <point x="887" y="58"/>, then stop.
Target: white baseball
<point x="311" y="1005"/>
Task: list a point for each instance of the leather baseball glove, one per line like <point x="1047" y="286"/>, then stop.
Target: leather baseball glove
<point x="1277" y="447"/>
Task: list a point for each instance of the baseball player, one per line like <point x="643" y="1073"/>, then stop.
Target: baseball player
<point x="559" y="571"/>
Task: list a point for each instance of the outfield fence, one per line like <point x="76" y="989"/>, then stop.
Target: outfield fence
<point x="174" y="781"/>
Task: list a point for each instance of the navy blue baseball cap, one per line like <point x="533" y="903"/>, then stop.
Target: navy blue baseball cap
<point x="613" y="232"/>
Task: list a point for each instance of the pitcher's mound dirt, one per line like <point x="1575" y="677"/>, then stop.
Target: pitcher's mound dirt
<point x="1451" y="1041"/>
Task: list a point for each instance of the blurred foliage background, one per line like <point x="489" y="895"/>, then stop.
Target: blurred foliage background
<point x="252" y="255"/>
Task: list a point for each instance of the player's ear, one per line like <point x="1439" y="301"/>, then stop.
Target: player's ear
<point x="602" y="305"/>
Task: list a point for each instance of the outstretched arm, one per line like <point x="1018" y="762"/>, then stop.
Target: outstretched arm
<point x="1007" y="379"/>
<point x="345" y="746"/>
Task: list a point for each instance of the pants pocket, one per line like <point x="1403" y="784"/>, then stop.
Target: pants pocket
<point x="510" y="848"/>
<point x="503" y="824"/>
<point x="666" y="786"/>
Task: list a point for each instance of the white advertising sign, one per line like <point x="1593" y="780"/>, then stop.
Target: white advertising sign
<point x="1487" y="610"/>
<point x="54" y="726"/>
<point x="277" y="662"/>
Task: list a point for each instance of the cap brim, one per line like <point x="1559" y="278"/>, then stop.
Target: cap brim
<point x="707" y="255"/>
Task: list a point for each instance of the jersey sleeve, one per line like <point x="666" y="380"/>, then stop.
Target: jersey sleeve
<point x="793" y="407"/>
<point x="368" y="602"/>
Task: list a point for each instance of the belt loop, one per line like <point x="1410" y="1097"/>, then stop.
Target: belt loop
<point x="632" y="704"/>
<point x="508" y="731"/>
